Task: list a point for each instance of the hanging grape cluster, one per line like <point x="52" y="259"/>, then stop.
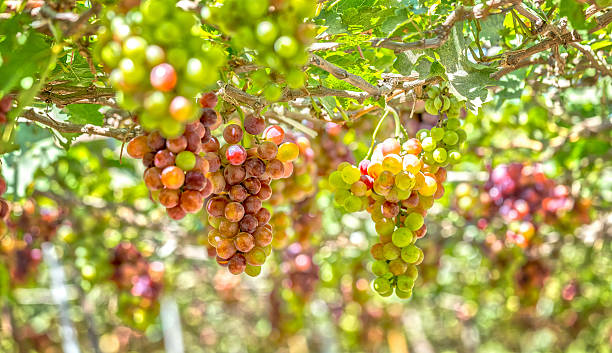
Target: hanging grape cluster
<point x="177" y="167"/>
<point x="441" y="101"/>
<point x="275" y="30"/>
<point x="158" y="62"/>
<point x="397" y="186"/>
<point x="141" y="283"/>
<point x="524" y="197"/>
<point x="240" y="230"/>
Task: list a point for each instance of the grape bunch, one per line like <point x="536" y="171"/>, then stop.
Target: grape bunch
<point x="240" y="230"/>
<point x="140" y="281"/>
<point x="275" y="30"/>
<point x="524" y="197"/>
<point x="330" y="149"/>
<point x="441" y="101"/>
<point x="158" y="63"/>
<point x="177" y="167"/>
<point x="5" y="105"/>
<point x="29" y="226"/>
<point x="397" y="186"/>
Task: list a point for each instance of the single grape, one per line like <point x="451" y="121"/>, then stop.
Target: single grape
<point x="216" y="206"/>
<point x="137" y="147"/>
<point x="210" y="145"/>
<point x="152" y="178"/>
<point x="169" y="198"/>
<point x="255" y="167"/>
<point x="252" y="185"/>
<point x="176" y="213"/>
<point x="163" y="77"/>
<point x="397" y="267"/>
<point x="252" y="204"/>
<point x="391" y="252"/>
<point x="437" y="133"/>
<point x="155" y="141"/>
<point x="234" y="174"/>
<point x="256" y="257"/>
<point x="238" y="193"/>
<point x="382" y="285"/>
<point x="232" y="134"/>
<point x="275" y="169"/>
<point x="402" y="237"/>
<point x="265" y="192"/>
<point x="191" y="201"/>
<point x="225" y="248"/>
<point x="267" y="150"/>
<point x="227" y="228"/>
<point x="254" y="124"/>
<point x="414" y="221"/>
<point x="439" y="155"/>
<point x="248" y="223"/>
<point x="185" y="160"/>
<point x="275" y="134"/>
<point x="237" y="264"/>
<point x="208" y="100"/>
<point x="385" y="227"/>
<point x="390" y="209"/>
<point x="428" y="144"/>
<point x="252" y="271"/>
<point x="213" y="237"/>
<point x="263" y="236"/>
<point x="411" y="254"/>
<point x="404" y="282"/>
<point x="172" y="177"/>
<point x="380" y="267"/>
<point x="234" y="211"/>
<point x="288" y="152"/>
<point x="176" y="145"/>
<point x="236" y="154"/>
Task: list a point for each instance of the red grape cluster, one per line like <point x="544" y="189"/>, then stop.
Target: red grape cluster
<point x="330" y="149"/>
<point x="158" y="63"/>
<point x="240" y="230"/>
<point x="141" y="282"/>
<point x="523" y="196"/>
<point x="30" y="226"/>
<point x="5" y="105"/>
<point x="177" y="168"/>
<point x="397" y="186"/>
<point x="302" y="274"/>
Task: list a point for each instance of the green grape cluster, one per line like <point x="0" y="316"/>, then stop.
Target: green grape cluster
<point x="397" y="186"/>
<point x="274" y="29"/>
<point x="440" y="100"/>
<point x="158" y="62"/>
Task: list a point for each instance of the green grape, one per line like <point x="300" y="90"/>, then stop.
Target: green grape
<point x="439" y="155"/>
<point x="453" y="124"/>
<point x="272" y="92"/>
<point x="403" y="294"/>
<point x="134" y="48"/>
<point x="438" y="103"/>
<point x="437" y="133"/>
<point x="397" y="267"/>
<point x="286" y="46"/>
<point x="402" y="237"/>
<point x="392" y="252"/>
<point x="353" y="204"/>
<point x="266" y="32"/>
<point x="336" y="181"/>
<point x="430" y="107"/>
<point x="384" y="227"/>
<point x="422" y="134"/>
<point x="380" y="267"/>
<point x="252" y="271"/>
<point x="156" y="104"/>
<point x="382" y="285"/>
<point x="414" y="221"/>
<point x="405" y="180"/>
<point x="340" y="197"/>
<point x="402" y="194"/>
<point x="411" y="254"/>
<point x="171" y="128"/>
<point x="185" y="160"/>
<point x="454" y="157"/>
<point x="111" y="54"/>
<point x="412" y="272"/>
<point x="450" y="138"/>
<point x="462" y="135"/>
<point x="350" y="174"/>
<point x="404" y="282"/>
<point x="428" y="144"/>
<point x="428" y="158"/>
<point x="446" y="103"/>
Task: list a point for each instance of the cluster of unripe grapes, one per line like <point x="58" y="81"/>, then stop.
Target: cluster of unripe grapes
<point x="241" y="233"/>
<point x="397" y="186"/>
<point x="158" y="63"/>
<point x="440" y="101"/>
<point x="177" y="168"/>
<point x="5" y="105"/>
<point x="522" y="195"/>
<point x="140" y="281"/>
<point x="275" y="30"/>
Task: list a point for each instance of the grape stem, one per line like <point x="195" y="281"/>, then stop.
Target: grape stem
<point x="398" y="126"/>
<point x="375" y="133"/>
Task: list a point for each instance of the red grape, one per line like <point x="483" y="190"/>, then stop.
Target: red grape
<point x="176" y="213"/>
<point x="237" y="264"/>
<point x="191" y="201"/>
<point x="252" y="204"/>
<point x="234" y="174"/>
<point x="236" y="154"/>
<point x="173" y="177"/>
<point x="252" y="185"/>
<point x="274" y="134"/>
<point x="216" y="206"/>
<point x="169" y="198"/>
<point x="255" y="166"/>
<point x="163" y="159"/>
<point x="208" y="100"/>
<point x="248" y="223"/>
<point x="244" y="242"/>
<point x="254" y="124"/>
<point x="176" y="145"/>
<point x="238" y="193"/>
<point x="152" y="178"/>
<point x="137" y="147"/>
<point x="267" y="150"/>
<point x="232" y="134"/>
<point x="195" y="180"/>
<point x="234" y="211"/>
<point x="263" y="215"/>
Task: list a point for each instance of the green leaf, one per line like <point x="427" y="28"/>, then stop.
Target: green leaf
<point x="82" y="113"/>
<point x="467" y="80"/>
<point x="573" y="10"/>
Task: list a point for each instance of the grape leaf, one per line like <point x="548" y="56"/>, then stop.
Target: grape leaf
<point x="80" y="113"/>
<point x="467" y="80"/>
